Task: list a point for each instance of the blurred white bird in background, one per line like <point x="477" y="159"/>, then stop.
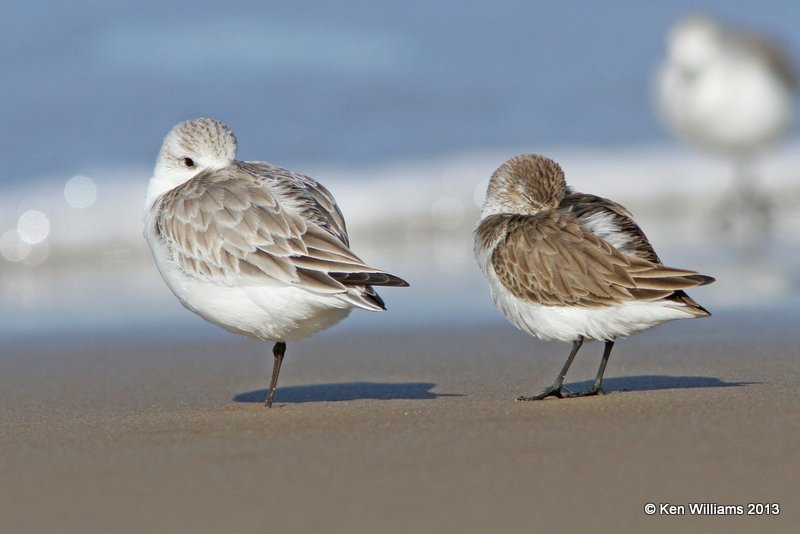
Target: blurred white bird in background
<point x="728" y="91"/>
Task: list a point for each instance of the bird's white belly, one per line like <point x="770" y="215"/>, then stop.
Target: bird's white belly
<point x="269" y="313"/>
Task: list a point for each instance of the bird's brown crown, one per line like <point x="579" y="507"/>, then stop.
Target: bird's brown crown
<point x="525" y="184"/>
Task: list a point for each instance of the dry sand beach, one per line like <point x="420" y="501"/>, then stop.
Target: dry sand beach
<point x="402" y="431"/>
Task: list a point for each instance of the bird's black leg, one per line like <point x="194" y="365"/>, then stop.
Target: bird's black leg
<point x="277" y="351"/>
<point x="555" y="389"/>
<point x="598" y="381"/>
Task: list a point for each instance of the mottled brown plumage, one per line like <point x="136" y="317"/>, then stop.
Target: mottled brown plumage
<point x="550" y="255"/>
<point x="528" y="184"/>
<point x="569" y="266"/>
<point x="584" y="207"/>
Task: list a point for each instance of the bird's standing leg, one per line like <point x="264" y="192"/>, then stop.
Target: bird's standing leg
<point x="746" y="212"/>
<point x="277" y="351"/>
<point x="598" y="381"/>
<point x="754" y="207"/>
<point x="555" y="389"/>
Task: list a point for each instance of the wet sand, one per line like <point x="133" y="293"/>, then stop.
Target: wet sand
<point x="412" y="431"/>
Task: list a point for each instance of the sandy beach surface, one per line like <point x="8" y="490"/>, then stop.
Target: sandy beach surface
<point x="402" y="431"/>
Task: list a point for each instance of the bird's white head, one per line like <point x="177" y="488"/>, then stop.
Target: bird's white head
<point x="188" y="149"/>
<point x="695" y="42"/>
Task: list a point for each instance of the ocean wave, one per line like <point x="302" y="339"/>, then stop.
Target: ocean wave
<point x="72" y="252"/>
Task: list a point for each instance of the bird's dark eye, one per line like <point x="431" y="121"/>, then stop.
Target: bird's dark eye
<point x="189" y="162"/>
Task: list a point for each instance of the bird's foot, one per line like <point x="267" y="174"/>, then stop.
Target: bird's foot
<point x="552" y="391"/>
<point x="590" y="393"/>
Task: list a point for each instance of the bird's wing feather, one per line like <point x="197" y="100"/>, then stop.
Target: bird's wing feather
<point x="243" y="225"/>
<point x="589" y="209"/>
<point x="550" y="259"/>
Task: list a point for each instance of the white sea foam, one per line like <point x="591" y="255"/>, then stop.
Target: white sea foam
<point x="66" y="263"/>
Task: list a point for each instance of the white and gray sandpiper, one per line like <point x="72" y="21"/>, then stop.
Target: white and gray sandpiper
<point x="256" y="249"/>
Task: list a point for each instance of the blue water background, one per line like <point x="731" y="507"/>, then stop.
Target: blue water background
<point x="91" y="85"/>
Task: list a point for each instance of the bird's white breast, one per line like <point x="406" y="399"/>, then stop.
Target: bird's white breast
<point x="731" y="104"/>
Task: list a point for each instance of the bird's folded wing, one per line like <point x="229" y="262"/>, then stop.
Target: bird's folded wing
<point x="551" y="260"/>
<point x="604" y="217"/>
<point x="228" y="227"/>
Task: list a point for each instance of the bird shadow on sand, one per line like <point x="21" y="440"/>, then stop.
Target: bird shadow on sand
<point x="347" y="391"/>
<point x="656" y="383"/>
